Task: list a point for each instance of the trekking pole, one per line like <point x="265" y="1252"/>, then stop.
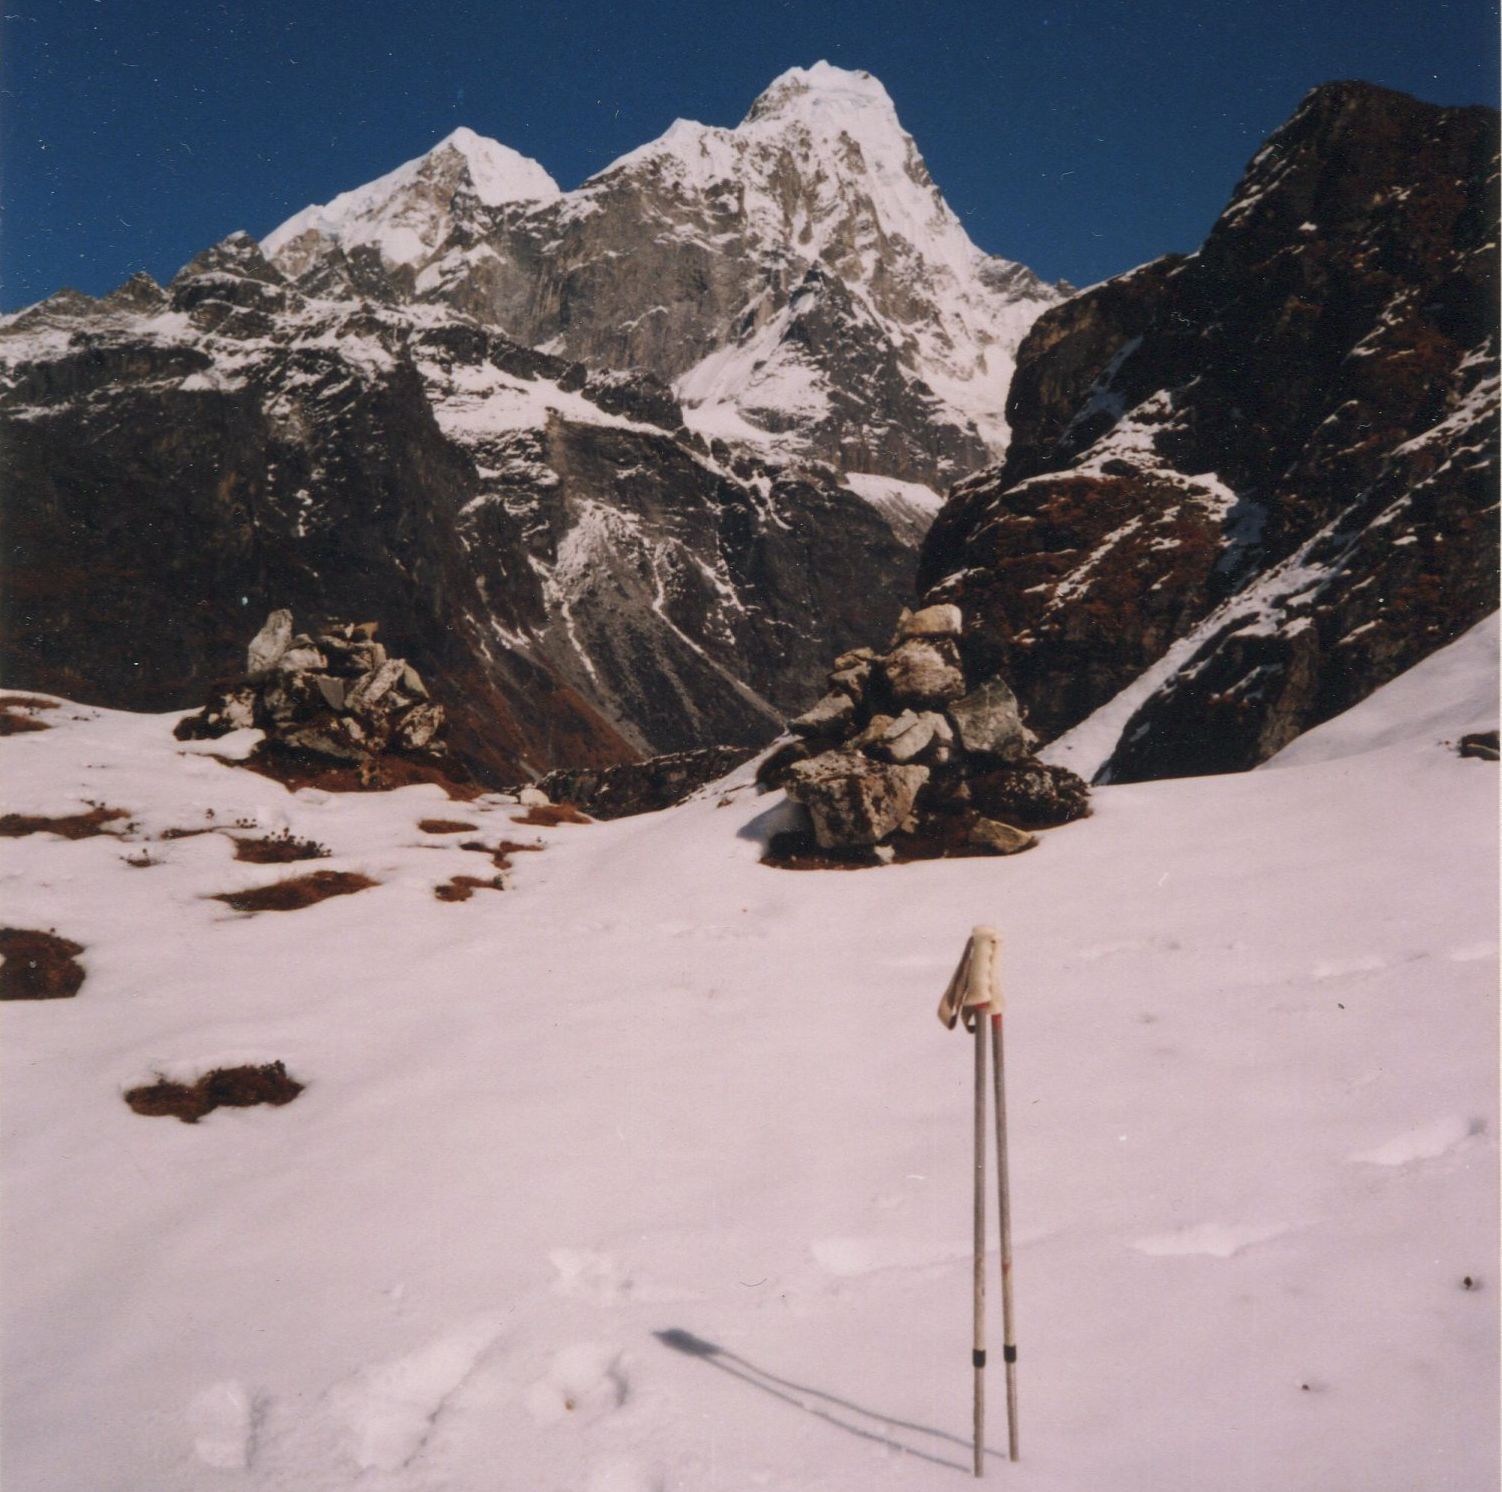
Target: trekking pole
<point x="1004" y="1203"/>
<point x="970" y="994"/>
<point x="978" y="1350"/>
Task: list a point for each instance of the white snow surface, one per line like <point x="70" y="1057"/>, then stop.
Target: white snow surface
<point x="653" y="1170"/>
<point x="404" y="214"/>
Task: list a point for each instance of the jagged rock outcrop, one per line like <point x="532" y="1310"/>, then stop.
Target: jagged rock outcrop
<point x="1248" y="486"/>
<point x="881" y="775"/>
<point x="335" y="693"/>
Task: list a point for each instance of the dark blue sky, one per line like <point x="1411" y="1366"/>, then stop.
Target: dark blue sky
<point x="1078" y="136"/>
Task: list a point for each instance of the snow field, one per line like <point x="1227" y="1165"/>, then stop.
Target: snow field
<point x="652" y="1171"/>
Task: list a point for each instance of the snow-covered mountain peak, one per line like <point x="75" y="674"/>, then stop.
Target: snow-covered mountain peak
<point x="822" y="89"/>
<point x="405" y="214"/>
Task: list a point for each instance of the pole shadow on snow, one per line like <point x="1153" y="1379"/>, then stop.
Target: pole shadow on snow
<point x="799" y="1395"/>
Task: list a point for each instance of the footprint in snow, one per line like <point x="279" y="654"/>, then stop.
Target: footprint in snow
<point x="1427" y="1142"/>
<point x="1470" y="953"/>
<point x="849" y="1258"/>
<point x="1339" y="968"/>
<point x="390" y="1410"/>
<point x="223" y="1421"/>
<point x="583" y="1383"/>
<point x="624" y="1474"/>
<point x="1217" y="1240"/>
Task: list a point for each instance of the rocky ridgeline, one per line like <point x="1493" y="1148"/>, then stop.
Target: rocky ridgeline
<point x="335" y="694"/>
<point x="908" y="758"/>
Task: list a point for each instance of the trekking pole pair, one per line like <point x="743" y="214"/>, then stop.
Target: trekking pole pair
<point x="974" y="994"/>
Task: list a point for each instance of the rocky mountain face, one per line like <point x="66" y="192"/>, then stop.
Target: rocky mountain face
<point x="1248" y="486"/>
<point x="464" y="404"/>
<point x="798" y="279"/>
<point x="580" y="579"/>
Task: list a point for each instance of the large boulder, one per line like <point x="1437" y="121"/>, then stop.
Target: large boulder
<point x="829" y="717"/>
<point x="924" y="671"/>
<point x="988" y="722"/>
<point x="1032" y="795"/>
<point x="852" y="801"/>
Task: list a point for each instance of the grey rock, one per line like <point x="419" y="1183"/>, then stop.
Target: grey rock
<point x="268" y="645"/>
<point x="989" y="723"/>
<point x="372" y="687"/>
<point x="238" y="709"/>
<point x="874" y="733"/>
<point x="852" y="680"/>
<point x="412" y="682"/>
<point x="829" y="717"/>
<point x="852" y="801"/>
<point x="924" y="671"/>
<point x="332" y="690"/>
<point x="419" y="726"/>
<point x="910" y="735"/>
<point x="943" y="620"/>
<point x="855" y="657"/>
<point x="339" y="736"/>
<point x="302" y="660"/>
<point x="999" y="838"/>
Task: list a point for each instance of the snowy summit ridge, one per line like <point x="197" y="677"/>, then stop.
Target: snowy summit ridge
<point x="798" y="277"/>
<point x="405" y="214"/>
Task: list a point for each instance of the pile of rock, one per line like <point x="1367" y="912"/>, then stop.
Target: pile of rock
<point x="641" y="787"/>
<point x="906" y="758"/>
<point x="335" y="694"/>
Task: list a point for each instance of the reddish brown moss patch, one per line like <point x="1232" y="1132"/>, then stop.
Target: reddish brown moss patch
<point x="12" y="724"/>
<point x="444" y="826"/>
<point x="223" y="1088"/>
<point x="38" y="965"/>
<point x="461" y="888"/>
<point x="298" y="892"/>
<point x="278" y="849"/>
<point x="186" y="833"/>
<point x="15" y="716"/>
<point x="70" y="826"/>
<point x="296" y="769"/>
<point x="501" y="853"/>
<point x="550" y="815"/>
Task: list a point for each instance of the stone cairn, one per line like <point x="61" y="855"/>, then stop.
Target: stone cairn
<point x="335" y="694"/>
<point x="906" y="758"/>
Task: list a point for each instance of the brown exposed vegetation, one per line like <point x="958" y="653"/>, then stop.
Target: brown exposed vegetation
<point x="461" y="888"/>
<point x="224" y="1087"/>
<point x="500" y="853"/>
<point x="278" y="849"/>
<point x="297" y="769"/>
<point x="12" y="724"/>
<point x="14" y="716"/>
<point x="443" y="826"/>
<point x="298" y="892"/>
<point x="550" y="815"/>
<point x="70" y="826"/>
<point x="38" y="965"/>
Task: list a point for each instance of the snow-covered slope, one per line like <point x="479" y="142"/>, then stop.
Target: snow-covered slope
<point x="652" y="1170"/>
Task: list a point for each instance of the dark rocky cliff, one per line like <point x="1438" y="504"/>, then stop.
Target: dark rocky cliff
<point x="1276" y="457"/>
